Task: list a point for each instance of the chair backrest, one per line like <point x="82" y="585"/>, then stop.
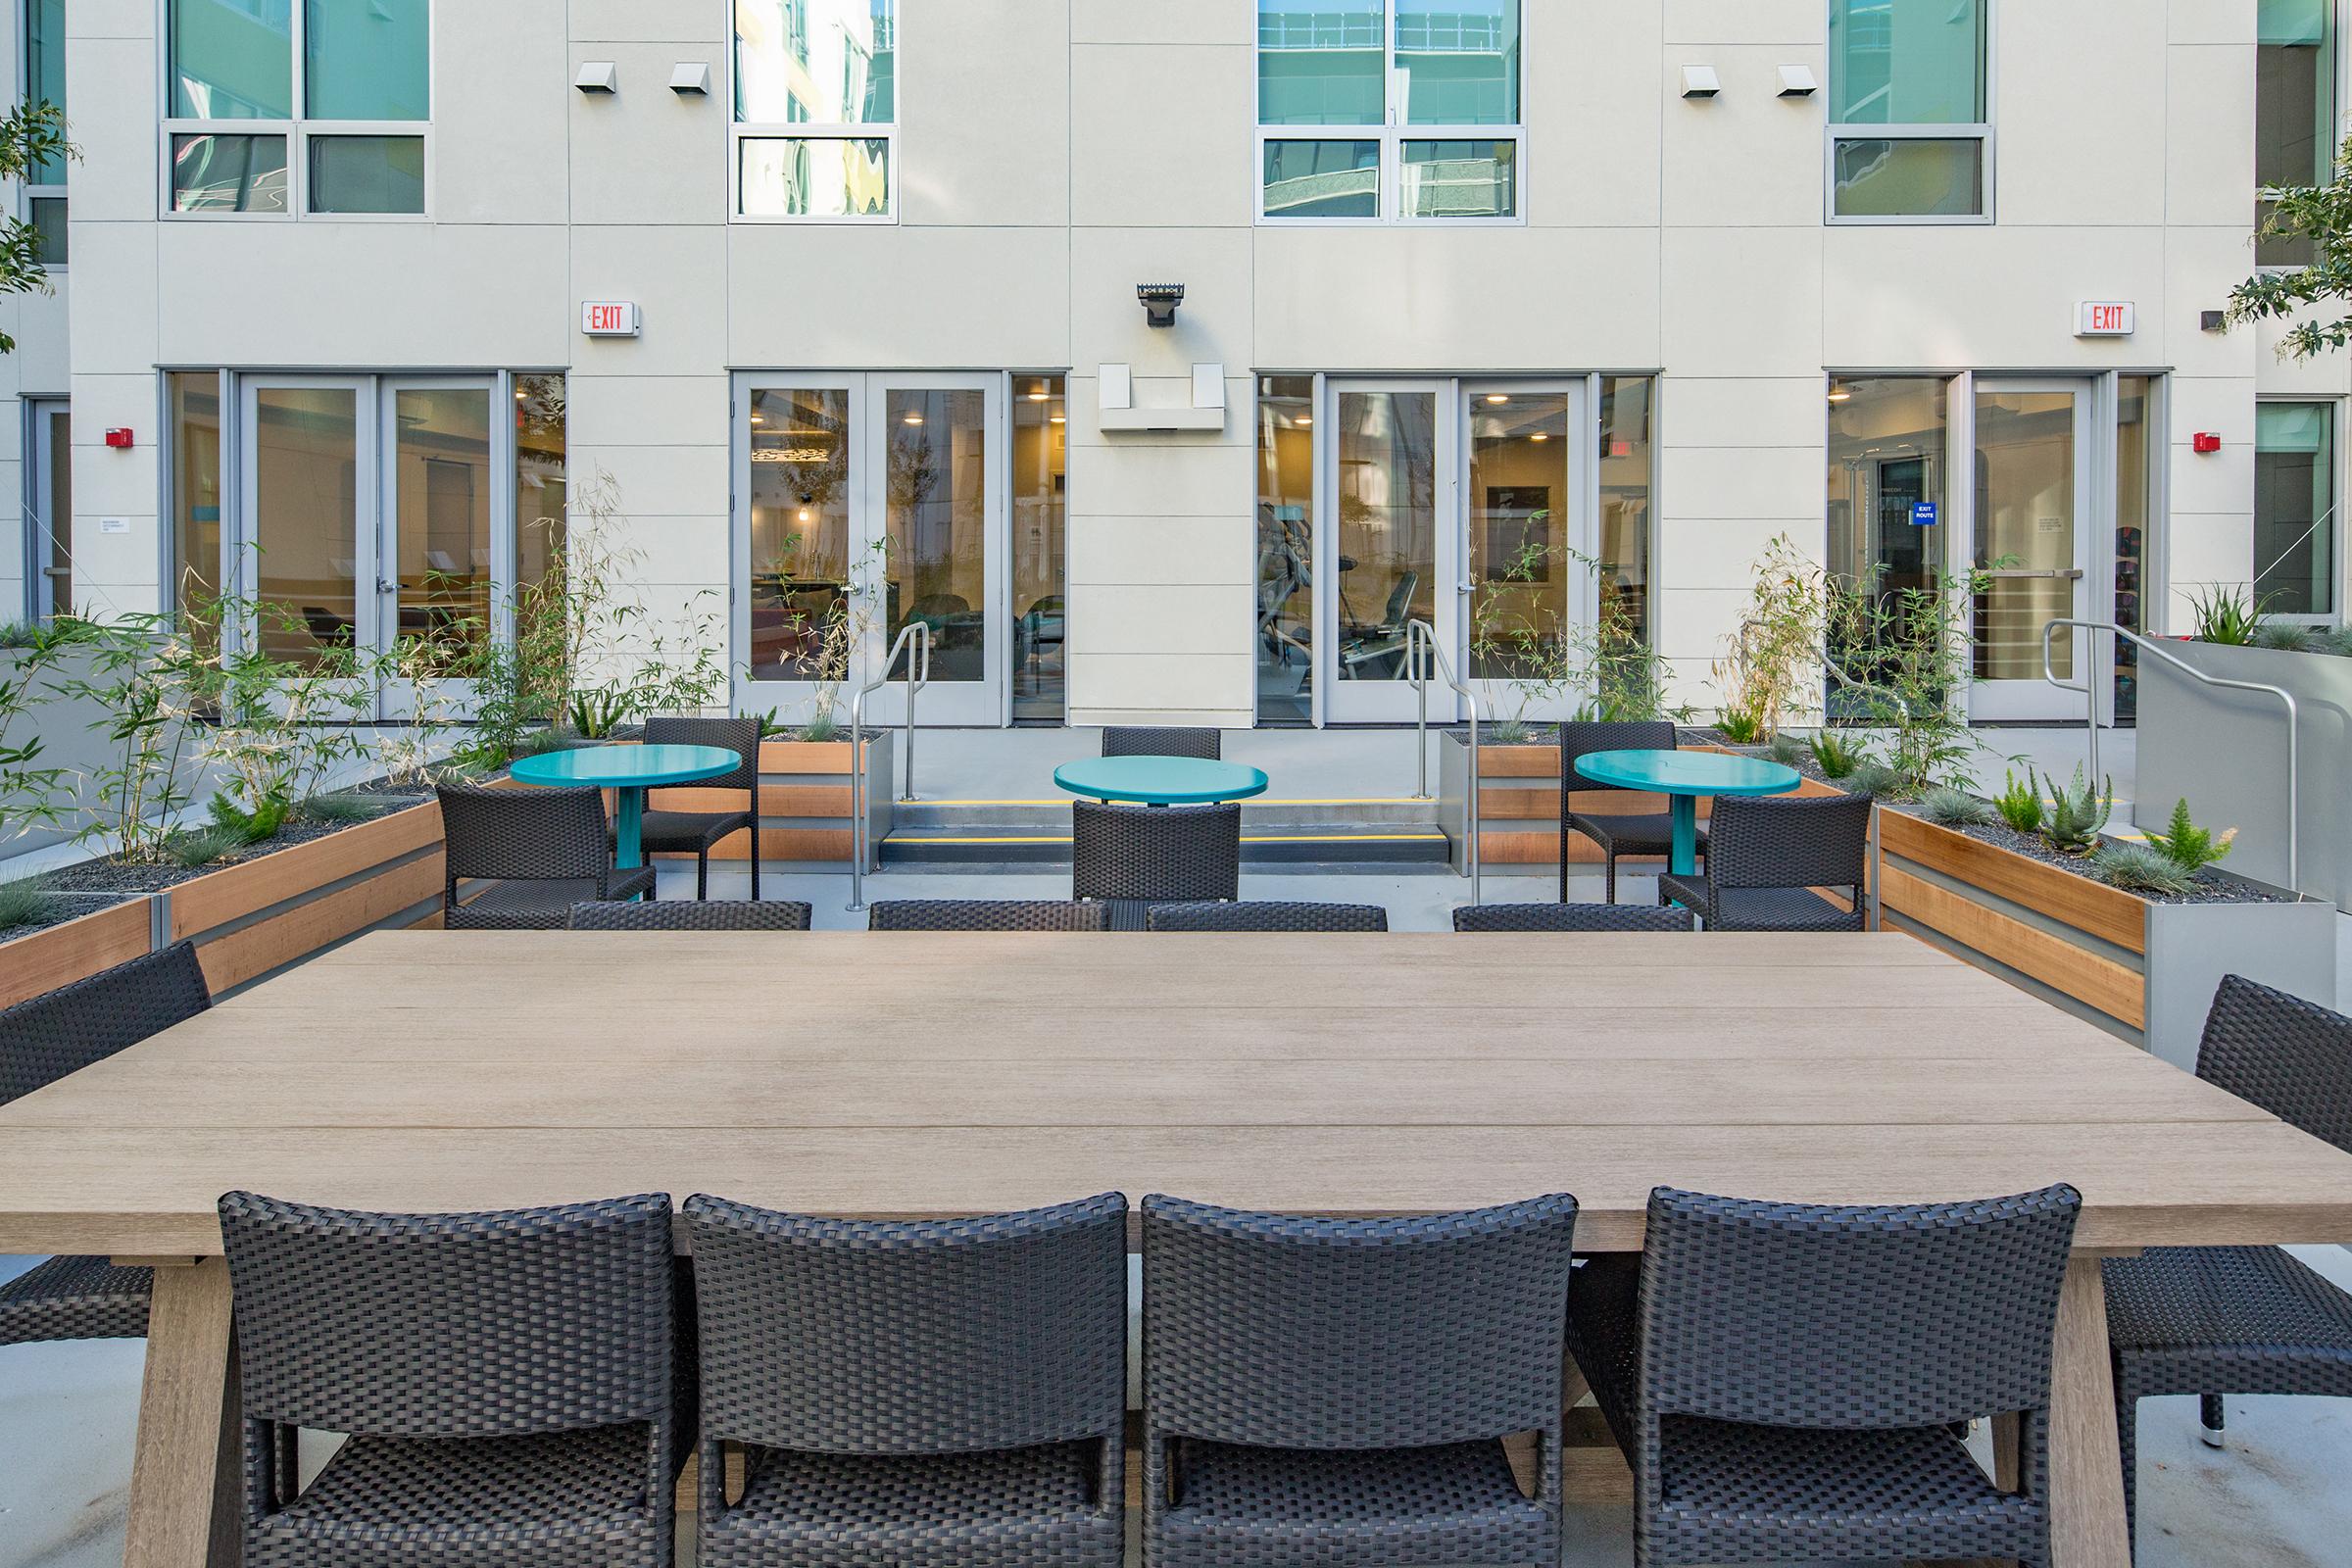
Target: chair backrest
<point x="1797" y="1315"/>
<point x="1584" y="736"/>
<point x="697" y="914"/>
<point x="452" y="1325"/>
<point x="1572" y="917"/>
<point x="1136" y="739"/>
<point x="46" y="1037"/>
<point x="738" y="735"/>
<point x="1168" y="853"/>
<point x="1789" y="841"/>
<point x="2291" y="1057"/>
<point x="1291" y="1331"/>
<point x="1267" y="916"/>
<point x="839" y="1335"/>
<point x="984" y="914"/>
<point x="1400" y="598"/>
<point x="523" y="833"/>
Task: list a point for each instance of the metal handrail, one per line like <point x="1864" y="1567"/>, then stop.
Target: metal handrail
<point x="2294" y="722"/>
<point x="1421" y="643"/>
<point x="862" y="812"/>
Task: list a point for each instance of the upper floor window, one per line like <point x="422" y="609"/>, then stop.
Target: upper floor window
<point x="1910" y="134"/>
<point x="45" y="83"/>
<point x="2294" y="108"/>
<point x="279" y="107"/>
<point x="817" y="109"/>
<point x="1389" y="110"/>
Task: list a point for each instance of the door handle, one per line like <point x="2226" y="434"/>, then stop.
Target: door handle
<point x="1465" y="587"/>
<point x="383" y="587"/>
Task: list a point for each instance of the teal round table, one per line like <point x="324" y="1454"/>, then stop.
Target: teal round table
<point x="1160" y="780"/>
<point x="628" y="771"/>
<point x="1682" y="777"/>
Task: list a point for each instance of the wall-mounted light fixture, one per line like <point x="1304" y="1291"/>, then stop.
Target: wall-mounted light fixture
<point x="1797" y="81"/>
<point x="1159" y="302"/>
<point x="1700" y="81"/>
<point x="690" y="79"/>
<point x="597" y="75"/>
<point x="2211" y="320"/>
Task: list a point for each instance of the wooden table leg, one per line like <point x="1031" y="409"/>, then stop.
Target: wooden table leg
<point x="2087" y="1526"/>
<point x="186" y="1471"/>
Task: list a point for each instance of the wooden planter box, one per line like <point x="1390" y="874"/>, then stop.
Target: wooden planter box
<point x="2144" y="971"/>
<point x="62" y="953"/>
<point x="806" y="815"/>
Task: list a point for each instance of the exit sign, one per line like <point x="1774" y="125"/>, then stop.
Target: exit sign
<point x="2105" y="319"/>
<point x="608" y="319"/>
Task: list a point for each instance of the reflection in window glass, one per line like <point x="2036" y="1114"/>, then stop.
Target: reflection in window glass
<point x="813" y="178"/>
<point x="1521" y="561"/>
<point x="228" y="173"/>
<point x="1910" y="178"/>
<point x="366" y="174"/>
<point x="1461" y="178"/>
<point x="1627" y="408"/>
<point x="441" y="533"/>
<point x="45" y="74"/>
<point x="1388" y="528"/>
<point x="2137" y="451"/>
<point x="936" y="480"/>
<point x="1321" y="63"/>
<point x="1040" y="522"/>
<point x="2294" y="508"/>
<point x="2294" y="108"/>
<point x="1322" y="180"/>
<point x="1286" y="535"/>
<point x="232" y="59"/>
<point x="815" y="62"/>
<point x="305" y="499"/>
<point x="1460" y="59"/>
<point x="1887" y="459"/>
<point x="541" y="477"/>
<point x="1906" y="62"/>
<point x="799" y="447"/>
<point x="366" y="59"/>
<point x="195" y="403"/>
<point x="47" y="216"/>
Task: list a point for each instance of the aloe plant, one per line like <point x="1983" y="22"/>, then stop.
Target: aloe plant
<point x="2077" y="813"/>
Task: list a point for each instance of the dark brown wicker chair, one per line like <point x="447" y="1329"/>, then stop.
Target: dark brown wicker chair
<point x="1570" y="917"/>
<point x="1267" y="917"/>
<point x="985" y="914"/>
<point x="698" y="833"/>
<point x="1133" y="857"/>
<point x="932" y="1394"/>
<point x="703" y="914"/>
<point x="1787" y="1380"/>
<point x="506" y="1378"/>
<point x="2218" y="1320"/>
<point x="547" y="849"/>
<point x="42" y="1040"/>
<point x="1137" y="740"/>
<point x="1766" y="854"/>
<point x="1616" y="832"/>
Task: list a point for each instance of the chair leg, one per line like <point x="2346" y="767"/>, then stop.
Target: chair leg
<point x="2214" y="1418"/>
<point x="755" y="858"/>
<point x="702" y="875"/>
<point x="1608" y="879"/>
<point x="2126" y="1433"/>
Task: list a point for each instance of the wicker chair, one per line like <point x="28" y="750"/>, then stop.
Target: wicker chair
<point x="1134" y="740"/>
<point x="931" y="1394"/>
<point x="1267" y="917"/>
<point x="2217" y="1320"/>
<point x="547" y="847"/>
<point x="1335" y="1390"/>
<point x="1617" y="832"/>
<point x="1787" y="1379"/>
<point x="707" y="914"/>
<point x="1133" y="857"/>
<point x="507" y="1380"/>
<point x="1569" y="917"/>
<point x="1765" y="856"/>
<point x="698" y="833"/>
<point x="41" y="1041"/>
<point x="985" y="914"/>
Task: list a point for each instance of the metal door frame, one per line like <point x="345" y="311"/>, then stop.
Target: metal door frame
<point x="2033" y="700"/>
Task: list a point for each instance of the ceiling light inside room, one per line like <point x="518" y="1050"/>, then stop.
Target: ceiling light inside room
<point x="1498" y="397"/>
<point x="1841" y="394"/>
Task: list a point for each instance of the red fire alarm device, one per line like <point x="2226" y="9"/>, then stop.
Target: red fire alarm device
<point x="2205" y="441"/>
<point x="121" y="438"/>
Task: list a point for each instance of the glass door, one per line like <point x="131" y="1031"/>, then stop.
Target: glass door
<point x="938" y="531"/>
<point x="1532" y="587"/>
<point x="308" y="530"/>
<point x="1396" y="548"/>
<point x="436" y="578"/>
<point x="2032" y="545"/>
<point x="50" y="527"/>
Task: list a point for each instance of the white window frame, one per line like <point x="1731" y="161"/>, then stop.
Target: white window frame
<point x="1391" y="135"/>
<point x="30" y="191"/>
<point x="298" y="133"/>
<point x="740" y="131"/>
<point x="2332" y="522"/>
<point x="1982" y="132"/>
<point x="2335" y="52"/>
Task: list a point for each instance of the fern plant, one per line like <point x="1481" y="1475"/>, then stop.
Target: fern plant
<point x="2019" y="802"/>
<point x="2077" y="813"/>
<point x="243" y="826"/>
<point x="1836" y="757"/>
<point x="1949" y="807"/>
<point x="2139" y="869"/>
<point x="1740" y="726"/>
<point x="2188" y="846"/>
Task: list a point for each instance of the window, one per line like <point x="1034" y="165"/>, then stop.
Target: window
<point x="1040" y="535"/>
<point x="1389" y="110"/>
<point x="2294" y="108"/>
<point x="1909" y="138"/>
<point x="279" y="107"/>
<point x="816" y="110"/>
<point x="1887" y="466"/>
<point x="45" y="83"/>
<point x="2294" y="509"/>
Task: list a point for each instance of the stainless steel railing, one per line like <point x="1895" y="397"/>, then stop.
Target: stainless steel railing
<point x="2090" y="694"/>
<point x="1421" y="656"/>
<point x="917" y="634"/>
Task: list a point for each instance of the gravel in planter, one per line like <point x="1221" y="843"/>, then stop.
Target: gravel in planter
<point x="61" y="908"/>
<point x="2210" y="886"/>
<point x="110" y="875"/>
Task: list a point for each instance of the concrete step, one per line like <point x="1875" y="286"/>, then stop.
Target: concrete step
<point x="1321" y="847"/>
<point x="1263" y="814"/>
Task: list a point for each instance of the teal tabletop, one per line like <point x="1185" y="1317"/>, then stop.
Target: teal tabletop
<point x="630" y="771"/>
<point x="1681" y="777"/>
<point x="1160" y="780"/>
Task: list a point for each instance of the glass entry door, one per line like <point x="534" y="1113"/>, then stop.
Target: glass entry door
<point x="2033" y="538"/>
<point x="1394" y="548"/>
<point x="49" y="529"/>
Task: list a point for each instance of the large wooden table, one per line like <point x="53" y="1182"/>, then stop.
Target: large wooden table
<point x="914" y="1074"/>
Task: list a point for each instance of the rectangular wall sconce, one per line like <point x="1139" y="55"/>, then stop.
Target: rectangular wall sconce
<point x="1700" y="81"/>
<point x="597" y="75"/>
<point x="1797" y="81"/>
<point x="690" y="79"/>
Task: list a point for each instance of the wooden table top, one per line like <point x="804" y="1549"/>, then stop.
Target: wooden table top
<point x="906" y="1074"/>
